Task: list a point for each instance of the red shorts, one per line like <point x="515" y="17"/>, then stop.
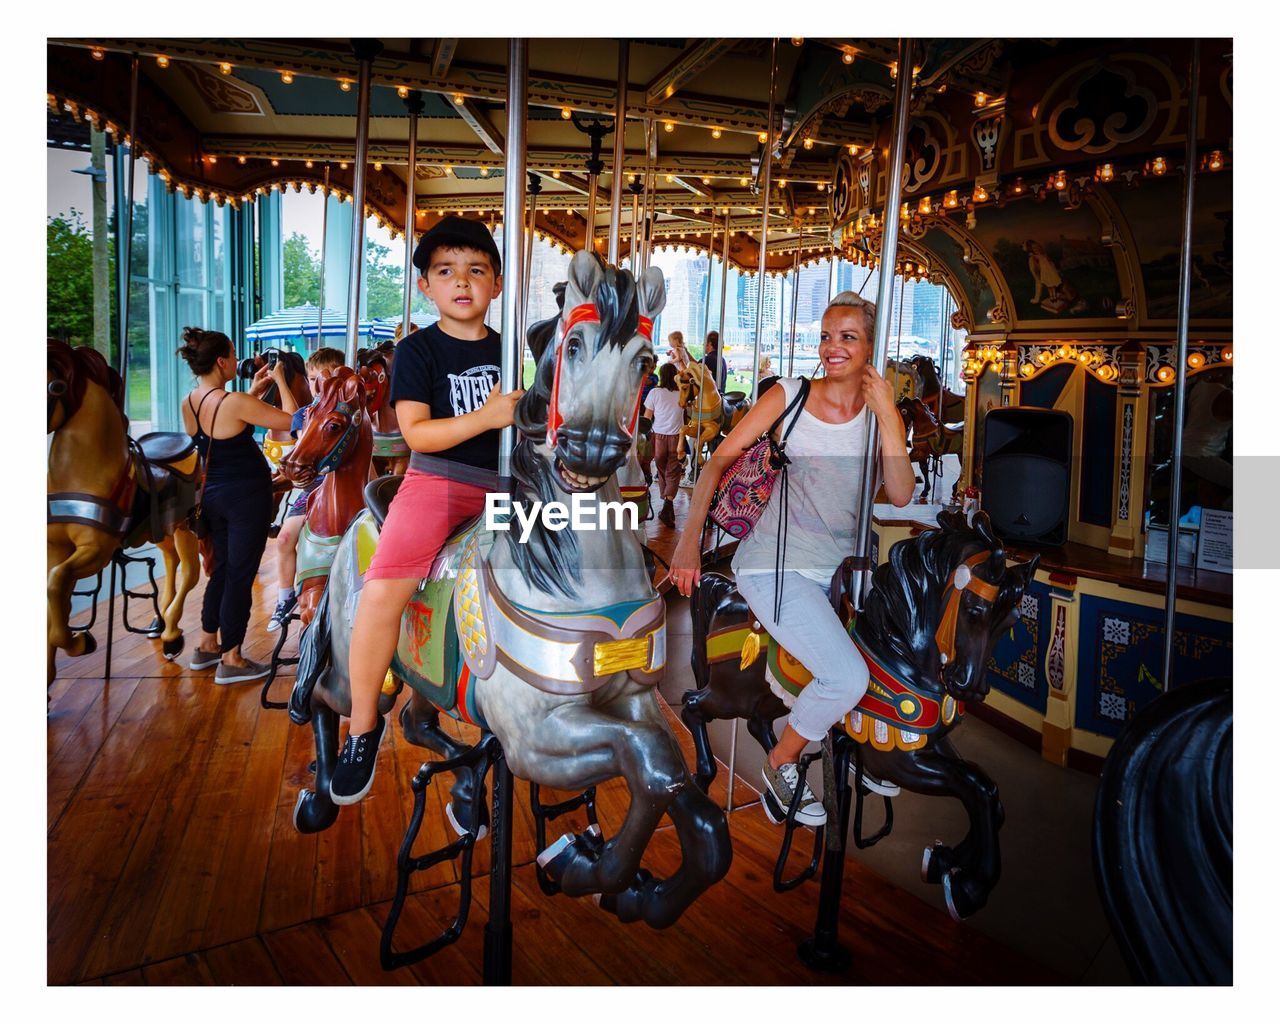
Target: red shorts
<point x="425" y="512"/>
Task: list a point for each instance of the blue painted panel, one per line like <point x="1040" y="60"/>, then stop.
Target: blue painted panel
<point x="1043" y="389"/>
<point x="1121" y="654"/>
<point x="1016" y="665"/>
<point x="1097" y="451"/>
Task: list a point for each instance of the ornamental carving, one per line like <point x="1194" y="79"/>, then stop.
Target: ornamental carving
<point x="960" y="321"/>
<point x="843" y="191"/>
<point x="986" y="133"/>
<point x="221" y="94"/>
<point x="1106" y="107"/>
<point x="923" y="155"/>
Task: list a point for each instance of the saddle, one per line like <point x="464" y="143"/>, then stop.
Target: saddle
<point x="459" y="626"/>
<point x="892" y="715"/>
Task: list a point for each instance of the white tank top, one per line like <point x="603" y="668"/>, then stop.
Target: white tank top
<point x="824" y="478"/>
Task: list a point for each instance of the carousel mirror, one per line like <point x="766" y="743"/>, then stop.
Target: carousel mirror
<point x="1206" y="449"/>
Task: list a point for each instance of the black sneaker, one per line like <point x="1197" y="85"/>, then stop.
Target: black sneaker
<point x="284" y="607"/>
<point x="354" y="774"/>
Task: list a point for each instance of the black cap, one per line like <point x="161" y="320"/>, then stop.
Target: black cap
<point x="456" y="233"/>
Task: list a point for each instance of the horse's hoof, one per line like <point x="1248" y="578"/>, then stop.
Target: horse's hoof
<point x="924" y="863"/>
<point x="481" y="832"/>
<point x="556" y="857"/>
<point x="949" y="896"/>
<point x="309" y="815"/>
<point x="90" y="644"/>
<point x="172" y="648"/>
<point x="932" y="869"/>
<point x="626" y="905"/>
<point x="156" y="628"/>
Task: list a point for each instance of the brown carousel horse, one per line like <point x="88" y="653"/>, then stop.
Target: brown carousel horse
<point x="337" y="442"/>
<point x="701" y="401"/>
<point x="934" y="611"/>
<point x="934" y="418"/>
<point x="106" y="491"/>
<point x="390" y="450"/>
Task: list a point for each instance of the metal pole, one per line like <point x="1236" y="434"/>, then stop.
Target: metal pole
<point x="512" y="218"/>
<point x="126" y="249"/>
<point x="324" y="244"/>
<point x="365" y="50"/>
<point x="795" y="306"/>
<point x="619" y="152"/>
<point x="497" y="930"/>
<point x="535" y="187"/>
<point x="733" y="765"/>
<point x="902" y="294"/>
<point x="635" y="233"/>
<point x="942" y="379"/>
<point x="834" y="276"/>
<point x="724" y="277"/>
<point x="414" y="105"/>
<point x="650" y="189"/>
<point x="1180" y="368"/>
<point x="884" y="299"/>
<point x="706" y="306"/>
<point x="766" y="173"/>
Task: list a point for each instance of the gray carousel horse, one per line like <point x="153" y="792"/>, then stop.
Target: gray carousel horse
<point x="554" y="646"/>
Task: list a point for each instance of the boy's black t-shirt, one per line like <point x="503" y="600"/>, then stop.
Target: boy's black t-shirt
<point x="453" y="377"/>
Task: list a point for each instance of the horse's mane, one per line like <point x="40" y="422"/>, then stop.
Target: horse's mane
<point x="77" y="367"/>
<point x="903" y="606"/>
<point x="550" y="560"/>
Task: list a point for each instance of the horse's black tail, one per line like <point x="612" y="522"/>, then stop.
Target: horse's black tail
<point x="313" y="661"/>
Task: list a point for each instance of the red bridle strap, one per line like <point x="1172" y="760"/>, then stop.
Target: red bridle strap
<point x="584" y="314"/>
<point x="962" y="578"/>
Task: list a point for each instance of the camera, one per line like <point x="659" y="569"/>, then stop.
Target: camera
<point x="247" y="368"/>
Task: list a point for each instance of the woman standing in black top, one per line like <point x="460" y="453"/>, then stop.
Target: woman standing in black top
<point x="237" y="493"/>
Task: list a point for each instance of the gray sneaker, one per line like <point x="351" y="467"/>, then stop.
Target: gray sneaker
<point x="245" y="673"/>
<point x="201" y="660"/>
<point x="782" y="783"/>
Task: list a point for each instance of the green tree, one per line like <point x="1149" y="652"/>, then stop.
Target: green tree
<point x="385" y="282"/>
<point x="301" y="272"/>
<point x="69" y="273"/>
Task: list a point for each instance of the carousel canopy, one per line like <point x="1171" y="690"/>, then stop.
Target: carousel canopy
<point x="1037" y="170"/>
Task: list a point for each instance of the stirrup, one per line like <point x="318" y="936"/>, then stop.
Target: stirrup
<point x="277" y="662"/>
<point x="483" y="755"/>
<point x="790" y="825"/>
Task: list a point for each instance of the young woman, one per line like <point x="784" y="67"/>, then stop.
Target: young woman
<point x="826" y="447"/>
<point x="663" y="404"/>
<point x="237" y="493"/>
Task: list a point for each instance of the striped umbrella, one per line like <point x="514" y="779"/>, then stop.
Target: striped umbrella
<point x="292" y="323"/>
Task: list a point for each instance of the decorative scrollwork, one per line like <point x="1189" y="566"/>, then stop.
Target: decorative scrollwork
<point x="923" y="156"/>
<point x="960" y="321"/>
<point x="986" y="133"/>
<point x="843" y="205"/>
<point x="1106" y="107"/>
<point x="1203" y="355"/>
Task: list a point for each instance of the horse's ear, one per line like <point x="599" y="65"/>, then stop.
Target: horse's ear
<point x="950" y="519"/>
<point x="1026" y="572"/>
<point x="585" y="273"/>
<point x="651" y="290"/>
<point x="982" y="525"/>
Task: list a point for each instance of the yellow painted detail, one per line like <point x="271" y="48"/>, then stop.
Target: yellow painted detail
<point x="612" y="656"/>
<point x="188" y="465"/>
<point x="470" y="616"/>
<point x="366" y="542"/>
<point x="726" y="645"/>
<point x="793" y="669"/>
<point x="907" y="707"/>
<point x="389" y="683"/>
<point x="750" y="650"/>
<point x="863" y="729"/>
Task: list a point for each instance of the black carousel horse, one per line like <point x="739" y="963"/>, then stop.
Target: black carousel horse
<point x="933" y="613"/>
<point x="1162" y="838"/>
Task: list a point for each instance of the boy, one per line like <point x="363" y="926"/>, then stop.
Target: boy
<point x="321" y="364"/>
<point x="444" y="386"/>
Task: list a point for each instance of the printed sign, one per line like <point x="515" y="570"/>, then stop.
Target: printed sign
<point x="1215" y="541"/>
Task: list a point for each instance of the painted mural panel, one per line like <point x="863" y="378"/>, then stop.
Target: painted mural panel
<point x="1121" y="651"/>
<point x="1052" y="258"/>
<point x="1154" y="214"/>
<point x="977" y="289"/>
<point x="1016" y="664"/>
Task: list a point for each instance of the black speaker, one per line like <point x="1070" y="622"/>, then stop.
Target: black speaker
<point x="1026" y="474"/>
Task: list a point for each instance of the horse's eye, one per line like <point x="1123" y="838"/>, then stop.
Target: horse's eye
<point x="572" y="347"/>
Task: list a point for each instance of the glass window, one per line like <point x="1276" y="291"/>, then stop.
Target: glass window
<point x="190" y="240"/>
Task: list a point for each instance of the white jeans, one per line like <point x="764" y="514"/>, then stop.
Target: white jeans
<point x="811" y="632"/>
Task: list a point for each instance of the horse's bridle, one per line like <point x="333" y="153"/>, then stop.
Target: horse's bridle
<point x="587" y="313"/>
<point x="333" y="459"/>
<point x="57" y="396"/>
<point x="962" y="578"/>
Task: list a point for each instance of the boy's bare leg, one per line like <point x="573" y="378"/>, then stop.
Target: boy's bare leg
<point x="373" y="644"/>
<point x="287" y="551"/>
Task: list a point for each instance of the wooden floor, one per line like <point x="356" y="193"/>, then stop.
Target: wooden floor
<point x="172" y="859"/>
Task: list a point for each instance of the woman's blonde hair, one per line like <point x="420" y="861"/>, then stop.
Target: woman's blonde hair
<point x="852" y="300"/>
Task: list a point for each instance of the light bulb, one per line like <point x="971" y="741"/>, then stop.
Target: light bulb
<point x="344" y="85"/>
<point x="97" y="54"/>
<point x="669" y="126"/>
<point x="212" y="159"/>
<point x="286" y="77"/>
<point x="275" y="163"/>
<point x="742" y="182"/>
<point x="403" y="92"/>
<point x="847" y="57"/>
<point x="240" y="160"/>
<point x="225" y="68"/>
<point x="980" y="99"/>
<point x="808" y="142"/>
<point x="484" y="172"/>
<point x="822" y="186"/>
<point x="556" y="173"/>
<point x="162" y="61"/>
<point x="377" y="165"/>
<point x="715" y="133"/>
<point x="566" y="113"/>
<point x="762" y="138"/>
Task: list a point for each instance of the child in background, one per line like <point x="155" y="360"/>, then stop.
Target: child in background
<point x="444" y="385"/>
<point x="321" y="364"/>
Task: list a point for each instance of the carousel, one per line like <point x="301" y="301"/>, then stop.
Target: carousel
<point x="555" y="731"/>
